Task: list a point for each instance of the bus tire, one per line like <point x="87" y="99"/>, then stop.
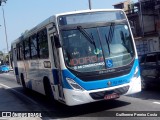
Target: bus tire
<point x="23" y="81"/>
<point x="47" y="88"/>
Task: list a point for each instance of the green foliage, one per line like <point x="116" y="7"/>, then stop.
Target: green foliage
<point x="1" y="53"/>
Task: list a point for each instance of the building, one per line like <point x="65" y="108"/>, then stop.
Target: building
<point x="123" y="5"/>
<point x="145" y="16"/>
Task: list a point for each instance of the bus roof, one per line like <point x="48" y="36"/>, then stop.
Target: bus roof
<point x="53" y="19"/>
<point x="86" y="11"/>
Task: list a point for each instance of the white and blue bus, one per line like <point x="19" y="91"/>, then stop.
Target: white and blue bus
<point x="79" y="57"/>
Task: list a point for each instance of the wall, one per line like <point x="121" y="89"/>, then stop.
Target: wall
<point x="149" y="44"/>
<point x="149" y="24"/>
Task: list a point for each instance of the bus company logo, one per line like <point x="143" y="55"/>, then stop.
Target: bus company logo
<point x="109" y="63"/>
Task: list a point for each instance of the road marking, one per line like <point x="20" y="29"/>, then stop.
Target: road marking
<point x="156" y="103"/>
<point x="8" y="74"/>
<point x="5" y="86"/>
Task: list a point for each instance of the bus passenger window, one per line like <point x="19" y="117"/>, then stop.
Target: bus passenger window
<point x="17" y="48"/>
<point x="21" y="51"/>
<point x="43" y="44"/>
<point x="26" y="49"/>
<point x="34" y="53"/>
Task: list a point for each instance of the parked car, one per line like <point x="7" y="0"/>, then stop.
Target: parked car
<point x="4" y="68"/>
<point x="150" y="69"/>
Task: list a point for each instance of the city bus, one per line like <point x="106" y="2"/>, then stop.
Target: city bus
<point x="79" y="57"/>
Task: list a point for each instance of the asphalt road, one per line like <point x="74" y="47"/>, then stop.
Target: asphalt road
<point x="14" y="98"/>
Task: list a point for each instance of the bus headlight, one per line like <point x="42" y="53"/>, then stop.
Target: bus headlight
<point x="136" y="72"/>
<point x="74" y="85"/>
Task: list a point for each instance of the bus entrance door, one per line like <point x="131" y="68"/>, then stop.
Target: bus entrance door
<point x="57" y="73"/>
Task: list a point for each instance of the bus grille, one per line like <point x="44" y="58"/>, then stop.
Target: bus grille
<point x="102" y="94"/>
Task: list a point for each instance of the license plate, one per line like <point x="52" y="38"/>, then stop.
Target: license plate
<point x="111" y="96"/>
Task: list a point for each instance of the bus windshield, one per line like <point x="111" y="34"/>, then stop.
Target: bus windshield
<point x="97" y="47"/>
<point x="105" y="47"/>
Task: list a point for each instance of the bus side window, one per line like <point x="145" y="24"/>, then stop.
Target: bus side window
<point x="43" y="44"/>
<point x="15" y="53"/>
<point x="27" y="49"/>
<point x="21" y="51"/>
<point x="19" y="48"/>
<point x="34" y="50"/>
<point x="54" y="51"/>
<point x="18" y="52"/>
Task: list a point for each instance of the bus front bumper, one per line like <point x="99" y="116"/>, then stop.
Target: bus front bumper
<point x="74" y="97"/>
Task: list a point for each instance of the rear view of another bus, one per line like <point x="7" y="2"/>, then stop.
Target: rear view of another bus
<point x="98" y="57"/>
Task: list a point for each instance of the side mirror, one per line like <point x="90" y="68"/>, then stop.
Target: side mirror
<point x="57" y="41"/>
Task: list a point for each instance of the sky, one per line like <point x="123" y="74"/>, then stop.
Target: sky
<point x="21" y="15"/>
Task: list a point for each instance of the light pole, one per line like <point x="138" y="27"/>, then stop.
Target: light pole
<point x="4" y="20"/>
<point x="90" y="4"/>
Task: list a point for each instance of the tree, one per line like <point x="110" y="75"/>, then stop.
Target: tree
<point x="1" y="53"/>
<point x="1" y="57"/>
<point x="6" y="58"/>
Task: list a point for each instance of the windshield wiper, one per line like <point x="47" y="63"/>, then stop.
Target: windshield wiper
<point x="110" y="35"/>
<point x="86" y="34"/>
<point x="108" y="44"/>
<point x="111" y="32"/>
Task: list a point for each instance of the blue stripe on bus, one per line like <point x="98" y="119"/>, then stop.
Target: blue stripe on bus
<point x="16" y="70"/>
<point x="99" y="84"/>
<point x="55" y="76"/>
<point x="56" y="79"/>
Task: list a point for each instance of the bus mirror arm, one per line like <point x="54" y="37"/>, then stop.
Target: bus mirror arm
<point x="57" y="42"/>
